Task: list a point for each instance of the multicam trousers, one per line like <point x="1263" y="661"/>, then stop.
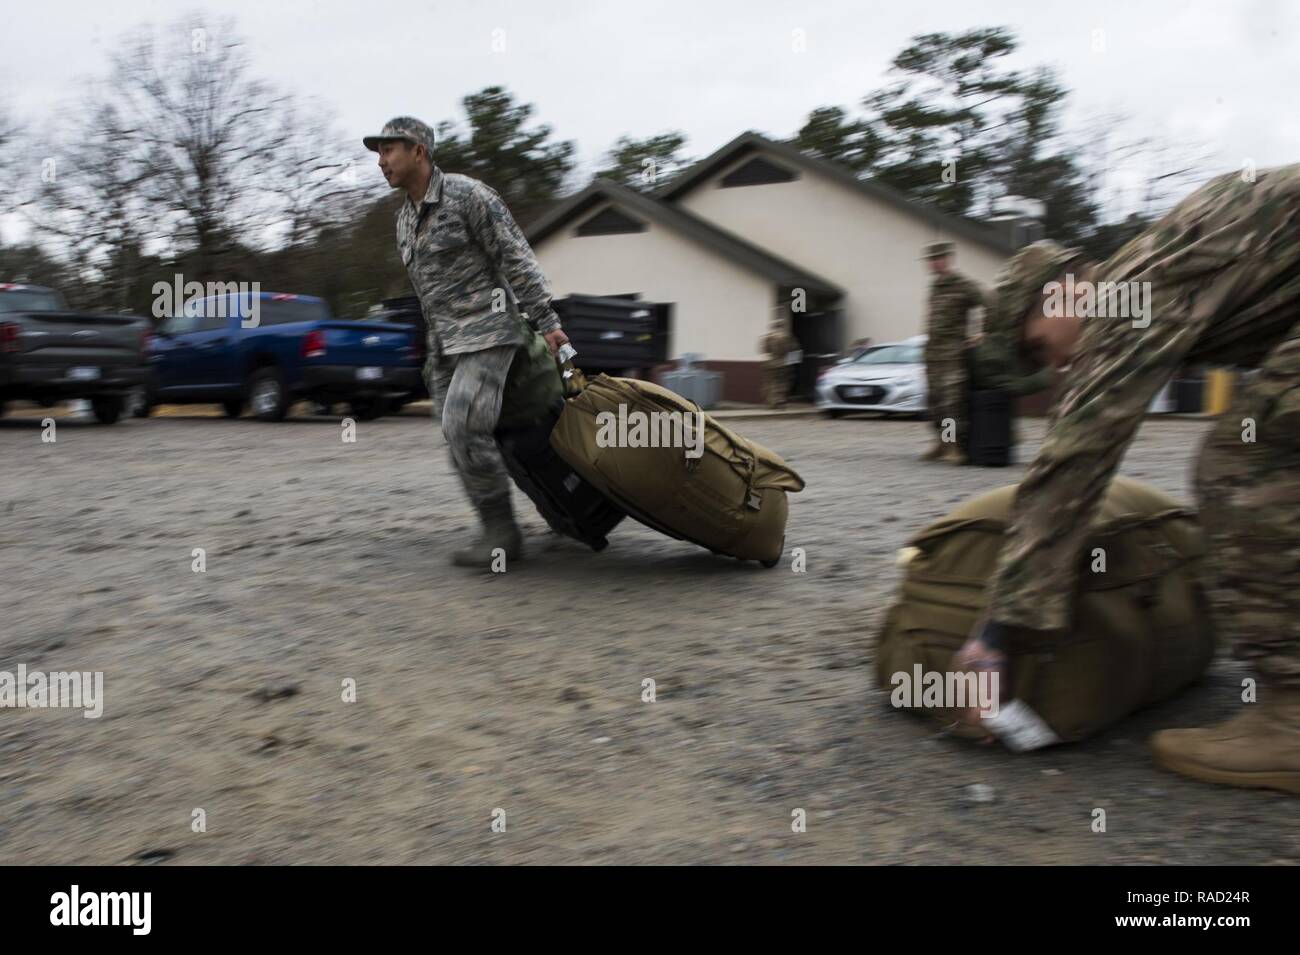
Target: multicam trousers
<point x="776" y="383"/>
<point x="1248" y="490"/>
<point x="946" y="386"/>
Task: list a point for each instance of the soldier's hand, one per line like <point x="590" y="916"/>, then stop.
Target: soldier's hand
<point x="555" y="339"/>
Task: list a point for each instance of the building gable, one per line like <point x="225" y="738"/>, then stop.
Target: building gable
<point x="759" y="171"/>
<point x="610" y="221"/>
<point x="627" y="204"/>
<point x="866" y="239"/>
<point x="757" y="146"/>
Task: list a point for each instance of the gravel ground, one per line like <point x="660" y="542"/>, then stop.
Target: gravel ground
<point x="520" y="692"/>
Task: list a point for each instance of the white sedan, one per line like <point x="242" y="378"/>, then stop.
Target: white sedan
<point x="889" y="379"/>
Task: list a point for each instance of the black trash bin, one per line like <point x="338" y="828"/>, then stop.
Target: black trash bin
<point x="991" y="438"/>
<point x="1189" y="391"/>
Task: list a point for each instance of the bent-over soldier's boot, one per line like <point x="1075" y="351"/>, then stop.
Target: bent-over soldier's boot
<point x="499" y="530"/>
<point x="1258" y="748"/>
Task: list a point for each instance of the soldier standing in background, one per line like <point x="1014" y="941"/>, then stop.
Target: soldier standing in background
<point x="483" y="295"/>
<point x="952" y="296"/>
<point x="1221" y="277"/>
<point x="778" y="343"/>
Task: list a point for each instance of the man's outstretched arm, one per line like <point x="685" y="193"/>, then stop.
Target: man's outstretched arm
<point x="1106" y="397"/>
<point x="503" y="240"/>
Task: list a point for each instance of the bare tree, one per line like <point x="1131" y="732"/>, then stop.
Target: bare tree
<point x="308" y="183"/>
<point x="1138" y="174"/>
<point x="209" y="128"/>
<point x="10" y="132"/>
<point x="90" y="205"/>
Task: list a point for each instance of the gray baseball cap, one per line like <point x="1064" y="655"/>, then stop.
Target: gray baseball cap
<point x="403" y="127"/>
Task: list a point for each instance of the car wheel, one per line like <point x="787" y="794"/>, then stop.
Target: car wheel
<point x="143" y="407"/>
<point x="367" y="409"/>
<point x="133" y="401"/>
<point x="107" y="408"/>
<point x="266" y="395"/>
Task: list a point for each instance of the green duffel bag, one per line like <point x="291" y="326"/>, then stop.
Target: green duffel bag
<point x="533" y="385"/>
<point x="730" y="498"/>
<point x="1141" y="630"/>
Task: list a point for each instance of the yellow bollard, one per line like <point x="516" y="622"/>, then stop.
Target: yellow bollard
<point x="1218" y="390"/>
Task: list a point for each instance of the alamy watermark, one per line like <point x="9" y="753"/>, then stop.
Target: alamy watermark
<point x="950" y="690"/>
<point x="652" y="429"/>
<point x="33" y="689"/>
<point x="242" y="299"/>
<point x="1087" y="299"/>
<point x="130" y="909"/>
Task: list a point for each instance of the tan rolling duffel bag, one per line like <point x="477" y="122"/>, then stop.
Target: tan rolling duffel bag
<point x="1141" y="628"/>
<point x="728" y="497"/>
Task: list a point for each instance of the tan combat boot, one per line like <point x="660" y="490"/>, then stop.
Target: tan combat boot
<point x="1259" y="748"/>
<point x="953" y="455"/>
<point x="499" y="530"/>
<point x="935" y="452"/>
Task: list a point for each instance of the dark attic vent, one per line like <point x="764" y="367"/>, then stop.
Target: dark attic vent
<point x="757" y="172"/>
<point x="610" y="222"/>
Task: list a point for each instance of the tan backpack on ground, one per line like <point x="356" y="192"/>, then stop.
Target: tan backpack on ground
<point x="1141" y="630"/>
<point x="730" y="499"/>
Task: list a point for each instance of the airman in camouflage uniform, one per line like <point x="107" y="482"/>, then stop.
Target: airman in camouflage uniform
<point x="952" y="296"/>
<point x="1224" y="274"/>
<point x="483" y="294"/>
<point x="778" y="343"/>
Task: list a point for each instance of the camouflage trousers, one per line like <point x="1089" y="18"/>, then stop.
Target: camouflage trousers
<point x="1248" y="491"/>
<point x="776" y="384"/>
<point x="466" y="392"/>
<point x="946" y="386"/>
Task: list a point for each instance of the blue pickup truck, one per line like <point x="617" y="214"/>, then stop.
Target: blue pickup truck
<point x="214" y="353"/>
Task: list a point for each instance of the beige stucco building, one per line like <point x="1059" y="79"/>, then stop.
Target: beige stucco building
<point x="749" y="229"/>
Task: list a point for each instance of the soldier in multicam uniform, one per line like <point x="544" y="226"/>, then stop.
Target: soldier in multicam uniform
<point x="478" y="282"/>
<point x="1224" y="274"/>
<point x="778" y="343"/>
<point x="952" y="296"/>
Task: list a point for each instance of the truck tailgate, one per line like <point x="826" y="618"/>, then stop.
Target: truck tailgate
<point x="78" y="338"/>
<point x="381" y="344"/>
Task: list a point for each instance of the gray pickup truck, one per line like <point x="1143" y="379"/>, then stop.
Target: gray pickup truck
<point x="49" y="353"/>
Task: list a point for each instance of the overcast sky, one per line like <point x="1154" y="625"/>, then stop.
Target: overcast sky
<point x="1222" y="75"/>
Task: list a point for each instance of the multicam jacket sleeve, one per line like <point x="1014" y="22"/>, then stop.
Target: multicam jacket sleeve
<point x="1105" y="399"/>
<point x="1221" y="273"/>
